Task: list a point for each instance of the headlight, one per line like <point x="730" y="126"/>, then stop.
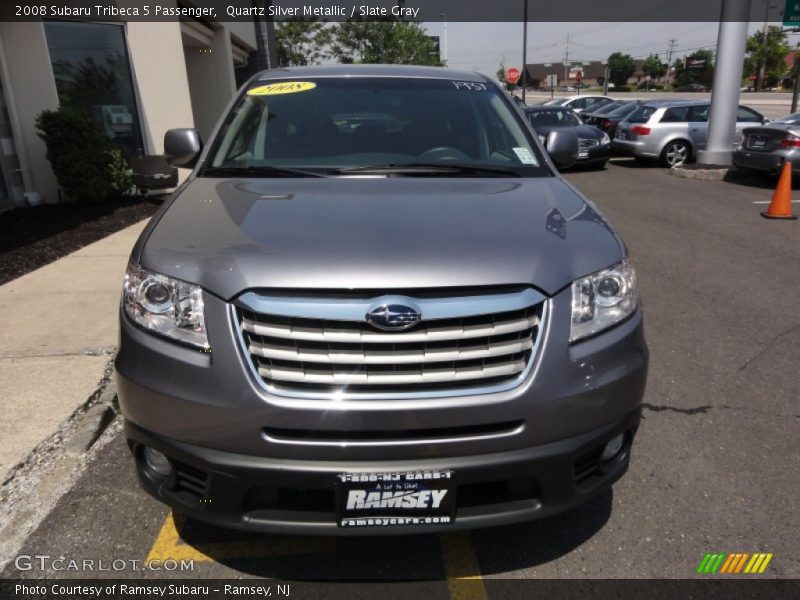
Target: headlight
<point x="165" y="305"/>
<point x="605" y="139"/>
<point x="602" y="300"/>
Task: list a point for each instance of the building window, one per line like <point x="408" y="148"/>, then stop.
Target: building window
<point x="93" y="73"/>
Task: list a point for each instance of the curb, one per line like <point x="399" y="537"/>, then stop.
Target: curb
<point x="712" y="174"/>
<point x="31" y="489"/>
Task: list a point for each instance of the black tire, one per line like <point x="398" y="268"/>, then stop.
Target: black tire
<point x="676" y="153"/>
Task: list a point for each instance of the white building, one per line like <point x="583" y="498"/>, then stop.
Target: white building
<point x="138" y="79"/>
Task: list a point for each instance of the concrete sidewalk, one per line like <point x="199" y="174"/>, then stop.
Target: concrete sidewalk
<point x="58" y="329"/>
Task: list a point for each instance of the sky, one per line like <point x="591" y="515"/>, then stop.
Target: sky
<point x="482" y="46"/>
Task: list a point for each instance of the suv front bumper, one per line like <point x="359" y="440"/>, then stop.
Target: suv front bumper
<point x="296" y="496"/>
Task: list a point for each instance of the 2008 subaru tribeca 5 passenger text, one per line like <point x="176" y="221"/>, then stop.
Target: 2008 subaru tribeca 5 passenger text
<point x="376" y="307"/>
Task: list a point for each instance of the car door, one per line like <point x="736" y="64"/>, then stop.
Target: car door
<point x="673" y="125"/>
<point x="698" y="125"/>
<point x="745" y="117"/>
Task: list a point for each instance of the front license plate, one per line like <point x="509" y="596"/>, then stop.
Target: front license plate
<point x="583" y="154"/>
<point x="395" y="499"/>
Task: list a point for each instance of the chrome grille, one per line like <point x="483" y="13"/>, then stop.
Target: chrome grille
<point x="587" y="143"/>
<point x="302" y="354"/>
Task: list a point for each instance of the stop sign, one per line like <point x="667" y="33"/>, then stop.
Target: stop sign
<point x="512" y="75"/>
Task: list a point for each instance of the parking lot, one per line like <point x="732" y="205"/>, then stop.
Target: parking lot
<point x="714" y="468"/>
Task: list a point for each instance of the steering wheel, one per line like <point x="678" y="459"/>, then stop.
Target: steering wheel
<point x="445" y="153"/>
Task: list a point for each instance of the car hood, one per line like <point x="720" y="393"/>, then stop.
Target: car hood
<point x="230" y="235"/>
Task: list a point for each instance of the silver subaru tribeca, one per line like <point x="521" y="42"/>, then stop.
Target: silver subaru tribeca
<point x="374" y="306"/>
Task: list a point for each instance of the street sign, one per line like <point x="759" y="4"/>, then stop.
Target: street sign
<point x="552" y="81"/>
<point x="791" y="13"/>
<point x="513" y="75"/>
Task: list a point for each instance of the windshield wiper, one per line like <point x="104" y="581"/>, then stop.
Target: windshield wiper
<point x="259" y="171"/>
<point x="426" y="169"/>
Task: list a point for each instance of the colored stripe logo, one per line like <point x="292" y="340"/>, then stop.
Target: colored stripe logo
<point x="734" y="562"/>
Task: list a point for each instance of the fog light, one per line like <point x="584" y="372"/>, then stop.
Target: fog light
<point x="613" y="447"/>
<point x="158" y="462"/>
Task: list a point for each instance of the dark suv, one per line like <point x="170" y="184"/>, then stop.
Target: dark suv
<point x="375" y="306"/>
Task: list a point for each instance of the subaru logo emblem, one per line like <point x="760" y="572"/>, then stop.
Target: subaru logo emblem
<point x="393" y="317"/>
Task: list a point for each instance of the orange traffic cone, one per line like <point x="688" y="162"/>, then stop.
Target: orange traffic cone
<point x="781" y="205"/>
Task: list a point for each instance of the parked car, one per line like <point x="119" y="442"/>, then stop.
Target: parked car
<point x="608" y="122"/>
<point x="765" y="149"/>
<point x="672" y="131"/>
<point x="594" y="146"/>
<point x="412" y="325"/>
<point x="692" y="87"/>
<point x="580" y="103"/>
<point x="592" y="116"/>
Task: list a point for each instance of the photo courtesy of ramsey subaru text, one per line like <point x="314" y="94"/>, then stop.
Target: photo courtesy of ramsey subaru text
<point x="375" y="306"/>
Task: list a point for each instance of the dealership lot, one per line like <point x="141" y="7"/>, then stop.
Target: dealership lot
<point x="713" y="469"/>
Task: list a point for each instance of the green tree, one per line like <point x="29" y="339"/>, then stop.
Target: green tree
<point x="301" y="42"/>
<point x="685" y="73"/>
<point x="654" y="67"/>
<point x="620" y="68"/>
<point x="770" y="51"/>
<point x="388" y="41"/>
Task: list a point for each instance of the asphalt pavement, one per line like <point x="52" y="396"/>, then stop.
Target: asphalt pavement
<point x="714" y="467"/>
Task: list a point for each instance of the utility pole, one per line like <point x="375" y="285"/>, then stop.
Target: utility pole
<point x="266" y="51"/>
<point x="566" y="63"/>
<point x="444" y="39"/>
<point x="524" y="47"/>
<point x="762" y="68"/>
<point x="670" y="50"/>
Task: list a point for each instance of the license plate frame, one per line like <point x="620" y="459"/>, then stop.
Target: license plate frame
<point x="395" y="499"/>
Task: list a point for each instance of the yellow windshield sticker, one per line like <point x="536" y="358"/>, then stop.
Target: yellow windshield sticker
<point x="284" y="87"/>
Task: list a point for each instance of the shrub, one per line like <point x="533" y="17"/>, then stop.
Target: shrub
<point x="88" y="167"/>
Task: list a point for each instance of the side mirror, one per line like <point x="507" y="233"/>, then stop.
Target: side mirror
<point x="562" y="146"/>
<point x="182" y="147"/>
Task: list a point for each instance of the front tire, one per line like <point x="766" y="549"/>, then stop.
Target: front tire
<point x="676" y="153"/>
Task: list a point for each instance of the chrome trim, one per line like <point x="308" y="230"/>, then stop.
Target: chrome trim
<point x="382" y="443"/>
<point x="335" y="309"/>
<point x="469" y="373"/>
<point x="400" y="357"/>
<point x="364" y="400"/>
<point x="355" y="337"/>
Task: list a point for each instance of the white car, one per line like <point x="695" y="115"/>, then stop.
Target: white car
<point x="580" y="102"/>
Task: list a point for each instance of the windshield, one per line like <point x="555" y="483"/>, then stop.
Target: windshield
<point x="553" y="118"/>
<point x="623" y="110"/>
<point x="608" y="108"/>
<point x="555" y="102"/>
<point x="333" y="124"/>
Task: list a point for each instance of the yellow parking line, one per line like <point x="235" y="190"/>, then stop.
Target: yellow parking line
<point x="464" y="581"/>
<point x="169" y="545"/>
